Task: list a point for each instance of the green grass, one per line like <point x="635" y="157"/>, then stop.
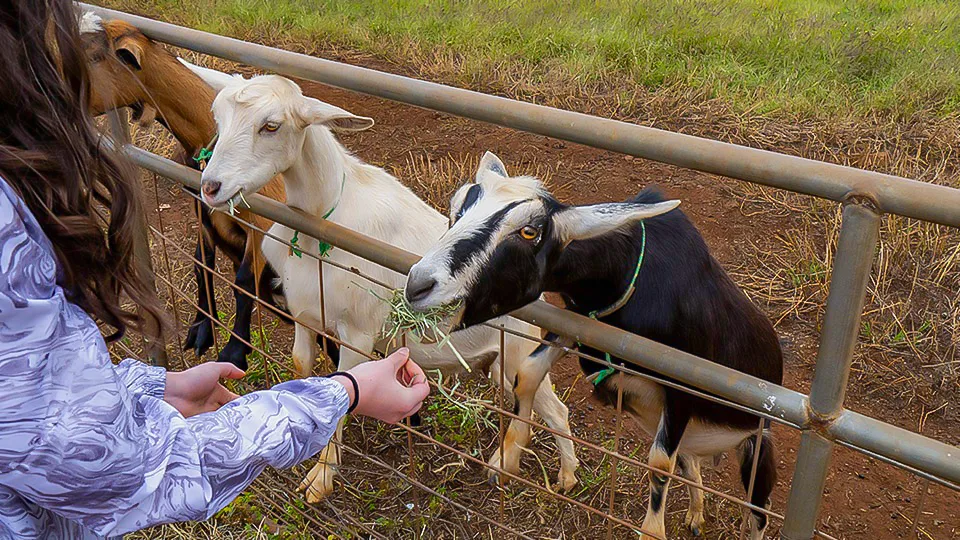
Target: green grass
<point x="817" y="58"/>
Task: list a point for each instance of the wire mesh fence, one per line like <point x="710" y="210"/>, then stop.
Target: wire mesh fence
<point x="276" y="366"/>
<point x="433" y="480"/>
<point x="611" y="503"/>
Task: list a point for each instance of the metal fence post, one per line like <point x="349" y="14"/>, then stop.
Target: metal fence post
<point x="841" y="326"/>
<point x="153" y="343"/>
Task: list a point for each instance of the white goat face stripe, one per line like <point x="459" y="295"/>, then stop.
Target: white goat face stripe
<point x="461" y="255"/>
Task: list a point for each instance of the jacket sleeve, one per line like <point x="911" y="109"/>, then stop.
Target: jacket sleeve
<point x="96" y="443"/>
<point x="141" y="378"/>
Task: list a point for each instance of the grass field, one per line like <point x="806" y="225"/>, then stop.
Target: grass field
<point x="807" y="57"/>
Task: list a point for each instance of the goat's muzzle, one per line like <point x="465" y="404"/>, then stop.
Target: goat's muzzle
<point x="419" y="286"/>
<point x="210" y="188"/>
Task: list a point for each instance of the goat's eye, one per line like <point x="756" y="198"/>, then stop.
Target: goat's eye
<point x="270" y="127"/>
<point x="529" y="233"/>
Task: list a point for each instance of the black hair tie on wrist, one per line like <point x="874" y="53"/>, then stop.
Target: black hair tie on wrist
<point x="356" y="387"/>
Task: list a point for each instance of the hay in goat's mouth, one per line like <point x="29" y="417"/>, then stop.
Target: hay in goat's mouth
<point x="424" y="326"/>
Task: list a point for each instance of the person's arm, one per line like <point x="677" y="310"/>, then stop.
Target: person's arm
<point x="141" y="378"/>
<point x="117" y="466"/>
<point x="117" y="463"/>
<point x="74" y="439"/>
<point x="98" y="443"/>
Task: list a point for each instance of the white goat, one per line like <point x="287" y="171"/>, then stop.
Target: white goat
<point x="266" y="127"/>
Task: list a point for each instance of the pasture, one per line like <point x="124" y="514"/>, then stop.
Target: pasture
<point x="857" y="84"/>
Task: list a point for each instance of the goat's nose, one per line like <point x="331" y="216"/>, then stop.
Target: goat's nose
<point x="210" y="188"/>
<point x="419" y="287"/>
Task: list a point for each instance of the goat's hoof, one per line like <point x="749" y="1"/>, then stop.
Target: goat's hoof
<point x="415" y="420"/>
<point x="199" y="337"/>
<point x="653" y="528"/>
<point x="236" y="355"/>
<point x="493" y="478"/>
<point x="318" y="484"/>
<point x="566" y="482"/>
<point x="694" y="522"/>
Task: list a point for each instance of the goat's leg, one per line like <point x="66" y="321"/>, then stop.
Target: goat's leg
<point x="555" y="414"/>
<point x="319" y="481"/>
<point x="251" y="267"/>
<point x="236" y="349"/>
<point x="663" y="457"/>
<point x="304" y="350"/>
<point x="764" y="483"/>
<point x="529" y="376"/>
<point x="495" y="367"/>
<point x="690" y="469"/>
<point x="200" y="333"/>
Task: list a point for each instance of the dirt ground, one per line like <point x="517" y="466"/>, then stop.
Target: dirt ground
<point x="865" y="498"/>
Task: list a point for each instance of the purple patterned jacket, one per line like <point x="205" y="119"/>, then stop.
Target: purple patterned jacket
<point x="89" y="449"/>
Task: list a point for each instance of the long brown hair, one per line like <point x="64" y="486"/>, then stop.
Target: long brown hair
<point x="53" y="157"/>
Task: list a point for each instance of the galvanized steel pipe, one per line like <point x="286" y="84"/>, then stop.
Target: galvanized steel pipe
<point x="859" y="231"/>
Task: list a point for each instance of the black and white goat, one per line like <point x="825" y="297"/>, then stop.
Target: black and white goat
<point x="510" y="241"/>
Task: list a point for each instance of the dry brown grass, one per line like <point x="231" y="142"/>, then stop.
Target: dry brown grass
<point x="435" y="178"/>
<point x="907" y="358"/>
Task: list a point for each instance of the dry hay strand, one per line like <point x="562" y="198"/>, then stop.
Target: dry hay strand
<point x="425" y="326"/>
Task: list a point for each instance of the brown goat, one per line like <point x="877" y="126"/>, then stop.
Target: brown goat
<point x="130" y="70"/>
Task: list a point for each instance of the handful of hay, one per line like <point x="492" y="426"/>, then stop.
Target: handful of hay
<point x="424" y="326"/>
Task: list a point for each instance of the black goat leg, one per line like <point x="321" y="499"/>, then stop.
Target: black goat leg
<point x="236" y="349"/>
<point x="200" y="333"/>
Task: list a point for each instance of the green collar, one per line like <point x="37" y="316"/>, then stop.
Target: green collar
<point x="622" y="301"/>
<point x="599" y="376"/>
<point x="324" y="248"/>
<point x="205" y="153"/>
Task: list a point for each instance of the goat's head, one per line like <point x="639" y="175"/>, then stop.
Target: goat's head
<point x="116" y="51"/>
<point x="506" y="234"/>
<point x="262" y="123"/>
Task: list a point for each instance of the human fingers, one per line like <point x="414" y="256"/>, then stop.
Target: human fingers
<point x="419" y="390"/>
<point x="399" y="358"/>
<point x="413" y="373"/>
<point x="229" y="371"/>
<point x="411" y="399"/>
<point x="416" y="407"/>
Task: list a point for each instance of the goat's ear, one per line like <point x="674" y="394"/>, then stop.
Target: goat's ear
<point x="129" y="51"/>
<point x="217" y="80"/>
<point x="317" y="112"/>
<point x="583" y="222"/>
<point x="490" y="162"/>
<point x="145" y="116"/>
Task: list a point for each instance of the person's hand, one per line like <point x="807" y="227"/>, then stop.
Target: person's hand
<point x="198" y="389"/>
<point x="390" y="389"/>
